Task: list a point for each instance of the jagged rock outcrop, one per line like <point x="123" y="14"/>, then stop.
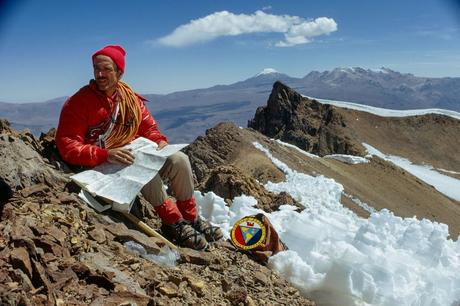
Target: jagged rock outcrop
<point x="22" y="164"/>
<point x="228" y="182"/>
<point x="55" y="250"/>
<point x="306" y="123"/>
<point x="325" y="129"/>
<point x="215" y="163"/>
<point x="226" y="151"/>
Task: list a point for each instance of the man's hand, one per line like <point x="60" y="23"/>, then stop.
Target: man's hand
<point x="162" y="144"/>
<point x="120" y="156"/>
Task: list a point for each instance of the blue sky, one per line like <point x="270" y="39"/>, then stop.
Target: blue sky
<point x="46" y="45"/>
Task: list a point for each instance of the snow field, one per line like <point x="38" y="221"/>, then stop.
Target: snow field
<point x="338" y="258"/>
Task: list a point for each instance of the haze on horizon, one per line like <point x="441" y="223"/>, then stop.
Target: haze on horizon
<point x="46" y="46"/>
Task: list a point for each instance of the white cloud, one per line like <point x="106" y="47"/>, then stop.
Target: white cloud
<point x="296" y="29"/>
<point x="301" y="33"/>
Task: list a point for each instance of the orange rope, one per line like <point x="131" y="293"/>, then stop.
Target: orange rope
<point x="128" y="119"/>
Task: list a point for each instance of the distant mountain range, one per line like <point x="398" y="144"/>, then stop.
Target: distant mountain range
<point x="184" y="115"/>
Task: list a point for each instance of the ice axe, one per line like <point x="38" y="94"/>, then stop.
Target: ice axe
<point x="94" y="203"/>
<point x="148" y="230"/>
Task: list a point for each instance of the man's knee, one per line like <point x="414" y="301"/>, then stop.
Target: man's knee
<point x="178" y="159"/>
<point x="177" y="165"/>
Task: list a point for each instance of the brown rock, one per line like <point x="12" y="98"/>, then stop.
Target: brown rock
<point x="20" y="260"/>
<point x="98" y="235"/>
<point x="22" y="165"/>
<point x="135" y="266"/>
<point x="261" y="278"/>
<point x="48" y="246"/>
<point x="237" y="295"/>
<point x="20" y="232"/>
<point x="58" y="234"/>
<point x="249" y="301"/>
<point x="66" y="198"/>
<point x="67" y="273"/>
<point x="195" y="257"/>
<point x="123" y="234"/>
<point x="175" y="279"/>
<point x="196" y="284"/>
<point x="122" y="298"/>
<point x="2" y="243"/>
<point x="169" y="289"/>
<point x="226" y="285"/>
<point x="39" y="189"/>
<point x="100" y="278"/>
<point x="25" y="281"/>
<point x="42" y="279"/>
<point x="148" y="272"/>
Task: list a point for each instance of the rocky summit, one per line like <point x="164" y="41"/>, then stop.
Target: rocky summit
<point x="306" y="123"/>
<point x="55" y="250"/>
<point x="325" y="129"/>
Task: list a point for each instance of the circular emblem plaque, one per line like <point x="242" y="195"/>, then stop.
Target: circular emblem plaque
<point x="248" y="233"/>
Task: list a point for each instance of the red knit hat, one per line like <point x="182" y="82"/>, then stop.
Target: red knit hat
<point x="116" y="53"/>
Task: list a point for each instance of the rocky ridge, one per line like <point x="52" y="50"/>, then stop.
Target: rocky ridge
<point x="306" y="123"/>
<point x="325" y="129"/>
<point x="428" y="139"/>
<point x="216" y="162"/>
<point x="54" y="250"/>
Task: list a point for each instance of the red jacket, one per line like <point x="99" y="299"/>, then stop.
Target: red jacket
<point x="82" y="121"/>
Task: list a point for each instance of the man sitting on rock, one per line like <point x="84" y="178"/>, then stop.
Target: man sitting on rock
<point x="103" y="116"/>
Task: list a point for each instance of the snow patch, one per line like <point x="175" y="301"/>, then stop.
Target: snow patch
<point x="296" y="148"/>
<point x="348" y="159"/>
<point x="267" y="71"/>
<point x="383" y="112"/>
<point x="445" y="184"/>
<point x="338" y="258"/>
<point x="360" y="203"/>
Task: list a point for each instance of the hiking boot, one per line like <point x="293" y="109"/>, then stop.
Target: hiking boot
<point x="211" y="233"/>
<point x="184" y="235"/>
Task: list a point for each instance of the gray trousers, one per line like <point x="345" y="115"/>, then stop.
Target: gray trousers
<point x="178" y="172"/>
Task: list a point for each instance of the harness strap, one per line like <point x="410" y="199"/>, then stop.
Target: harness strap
<point x="103" y="137"/>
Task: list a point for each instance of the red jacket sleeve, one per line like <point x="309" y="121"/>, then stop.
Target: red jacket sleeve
<point x="148" y="127"/>
<point x="70" y="137"/>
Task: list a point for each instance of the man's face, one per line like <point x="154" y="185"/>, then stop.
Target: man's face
<point x="106" y="74"/>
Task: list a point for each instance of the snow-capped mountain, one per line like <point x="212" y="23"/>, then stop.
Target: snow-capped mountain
<point x="265" y="78"/>
<point x="184" y="115"/>
<point x="383" y="88"/>
<point x="267" y="71"/>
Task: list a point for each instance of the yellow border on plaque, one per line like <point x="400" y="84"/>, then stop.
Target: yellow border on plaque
<point x="255" y="245"/>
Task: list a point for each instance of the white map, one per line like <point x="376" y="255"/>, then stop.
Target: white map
<point x="118" y="185"/>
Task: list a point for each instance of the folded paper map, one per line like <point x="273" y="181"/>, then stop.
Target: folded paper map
<point x="118" y="185"/>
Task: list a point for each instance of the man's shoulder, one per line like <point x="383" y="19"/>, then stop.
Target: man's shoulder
<point x="85" y="91"/>
<point x="141" y="98"/>
<point x="80" y="100"/>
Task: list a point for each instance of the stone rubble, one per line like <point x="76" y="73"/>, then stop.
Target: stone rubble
<point x="55" y="250"/>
